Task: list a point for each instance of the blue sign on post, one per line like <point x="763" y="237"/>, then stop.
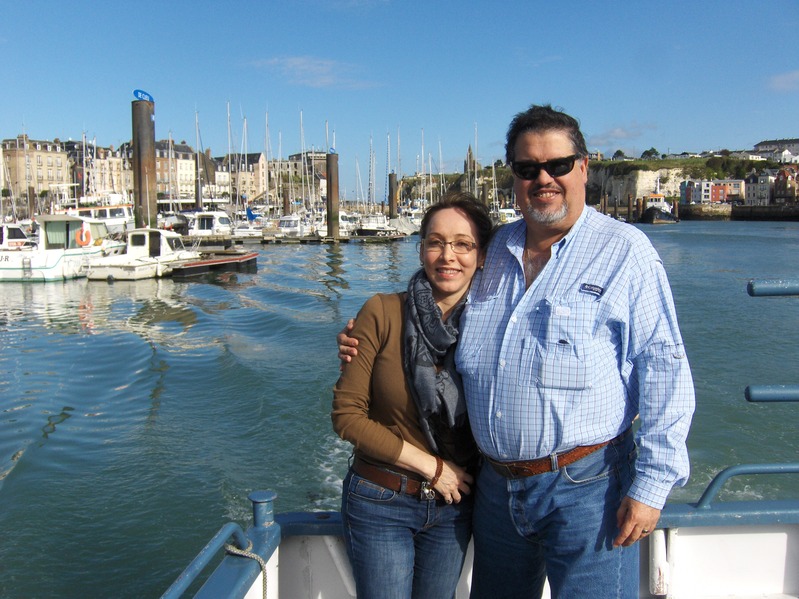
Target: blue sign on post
<point x="142" y="95"/>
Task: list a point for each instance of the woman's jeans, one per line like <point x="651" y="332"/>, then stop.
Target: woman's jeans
<point x="558" y="524"/>
<point x="400" y="546"/>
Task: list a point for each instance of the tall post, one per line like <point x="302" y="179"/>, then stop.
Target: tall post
<point x="145" y="197"/>
<point x="392" y="196"/>
<point x="332" y="196"/>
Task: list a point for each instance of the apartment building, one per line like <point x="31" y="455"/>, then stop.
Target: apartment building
<point x="710" y="192"/>
<point x="760" y="188"/>
<point x="33" y="168"/>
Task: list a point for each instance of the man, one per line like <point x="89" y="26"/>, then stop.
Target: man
<point x="570" y="333"/>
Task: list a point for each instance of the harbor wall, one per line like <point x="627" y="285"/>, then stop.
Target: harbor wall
<point x="789" y="212"/>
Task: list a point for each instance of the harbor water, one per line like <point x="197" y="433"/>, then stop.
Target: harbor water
<point x="136" y="417"/>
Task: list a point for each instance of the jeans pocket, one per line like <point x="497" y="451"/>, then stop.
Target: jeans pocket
<point x="591" y="468"/>
<point x="362" y="488"/>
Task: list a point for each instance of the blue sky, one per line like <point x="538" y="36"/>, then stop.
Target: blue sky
<point x="677" y="75"/>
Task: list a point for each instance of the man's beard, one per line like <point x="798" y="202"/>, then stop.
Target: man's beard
<point x="547" y="217"/>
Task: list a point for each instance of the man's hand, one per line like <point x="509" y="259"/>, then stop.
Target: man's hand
<point x="635" y="521"/>
<point x="346" y="345"/>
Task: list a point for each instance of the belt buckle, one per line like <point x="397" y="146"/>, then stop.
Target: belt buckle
<point x="427" y="491"/>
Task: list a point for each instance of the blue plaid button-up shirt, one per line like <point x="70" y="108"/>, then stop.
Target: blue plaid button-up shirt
<point x="572" y="360"/>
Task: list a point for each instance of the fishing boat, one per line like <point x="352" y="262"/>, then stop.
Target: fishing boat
<point x="656" y="210"/>
<point x="63" y="247"/>
<point x="149" y="253"/>
<point x="708" y="549"/>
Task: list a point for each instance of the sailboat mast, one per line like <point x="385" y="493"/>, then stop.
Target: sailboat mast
<point x="197" y="154"/>
<point x="170" y="157"/>
<point x="441" y="169"/>
<point x="246" y="169"/>
<point x="229" y="157"/>
<point x="476" y="154"/>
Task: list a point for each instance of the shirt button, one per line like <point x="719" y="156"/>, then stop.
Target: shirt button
<point x="513" y="318"/>
<point x="499" y="414"/>
<point x="502" y="363"/>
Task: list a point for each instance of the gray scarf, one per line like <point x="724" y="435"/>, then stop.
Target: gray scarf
<point x="430" y="342"/>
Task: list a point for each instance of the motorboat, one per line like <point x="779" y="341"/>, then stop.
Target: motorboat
<point x="703" y="550"/>
<point x="63" y="247"/>
<point x="503" y="216"/>
<point x="118" y="216"/>
<point x="248" y="230"/>
<point x="14" y="237"/>
<point x="375" y="224"/>
<point x="149" y="253"/>
<point x="292" y="225"/>
<point x="210" y="222"/>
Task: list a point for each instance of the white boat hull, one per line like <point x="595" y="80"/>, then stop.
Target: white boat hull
<point x="47" y="265"/>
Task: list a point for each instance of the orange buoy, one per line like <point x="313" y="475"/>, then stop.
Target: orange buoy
<point x="83" y="237"/>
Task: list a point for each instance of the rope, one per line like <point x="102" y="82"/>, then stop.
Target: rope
<point x="247" y="553"/>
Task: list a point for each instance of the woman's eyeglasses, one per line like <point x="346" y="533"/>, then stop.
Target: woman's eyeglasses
<point x="557" y="167"/>
<point x="437" y="246"/>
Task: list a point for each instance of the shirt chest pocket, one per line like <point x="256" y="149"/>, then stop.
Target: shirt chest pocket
<point x="566" y="351"/>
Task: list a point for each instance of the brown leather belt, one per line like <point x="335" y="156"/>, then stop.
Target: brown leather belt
<point x="393" y="480"/>
<point x="524" y="468"/>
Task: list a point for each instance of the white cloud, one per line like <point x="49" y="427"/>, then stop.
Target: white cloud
<point x="785" y="82"/>
<point x="615" y="135"/>
<point x="308" y="71"/>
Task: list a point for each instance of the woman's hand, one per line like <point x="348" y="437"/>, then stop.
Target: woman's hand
<point x="346" y="345"/>
<point x="453" y="483"/>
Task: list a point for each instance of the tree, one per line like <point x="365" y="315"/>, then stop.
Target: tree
<point x="619" y="155"/>
<point x="650" y="154"/>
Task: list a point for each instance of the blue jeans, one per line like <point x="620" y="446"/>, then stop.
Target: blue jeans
<point x="559" y="525"/>
<point x="400" y="546"/>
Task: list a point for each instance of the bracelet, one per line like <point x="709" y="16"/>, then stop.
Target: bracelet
<point x="439" y="469"/>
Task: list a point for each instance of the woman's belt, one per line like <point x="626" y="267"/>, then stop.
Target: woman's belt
<point x="552" y="463"/>
<point x="393" y="480"/>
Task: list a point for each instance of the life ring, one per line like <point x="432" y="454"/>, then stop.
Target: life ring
<point x="83" y="237"/>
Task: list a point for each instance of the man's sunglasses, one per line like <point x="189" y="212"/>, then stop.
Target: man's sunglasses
<point x="557" y="167"/>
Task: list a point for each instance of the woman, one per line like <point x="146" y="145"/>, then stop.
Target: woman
<point x="405" y="502"/>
